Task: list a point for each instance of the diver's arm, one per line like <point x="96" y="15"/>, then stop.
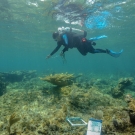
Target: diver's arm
<point x="54" y="51"/>
<point x="64" y="50"/>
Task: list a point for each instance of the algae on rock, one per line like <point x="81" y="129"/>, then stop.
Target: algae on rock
<point x="118" y="91"/>
<point x="12" y="120"/>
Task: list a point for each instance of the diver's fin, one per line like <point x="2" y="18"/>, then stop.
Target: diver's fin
<point x="97" y="38"/>
<point x="114" y="54"/>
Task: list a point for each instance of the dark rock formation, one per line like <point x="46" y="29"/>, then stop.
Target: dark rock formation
<point x="2" y="88"/>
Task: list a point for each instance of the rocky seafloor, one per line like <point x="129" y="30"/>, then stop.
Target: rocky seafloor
<point x="30" y="105"/>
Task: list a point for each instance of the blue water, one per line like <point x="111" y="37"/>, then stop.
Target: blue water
<point x="26" y="39"/>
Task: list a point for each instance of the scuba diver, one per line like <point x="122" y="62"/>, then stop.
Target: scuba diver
<point x="70" y="39"/>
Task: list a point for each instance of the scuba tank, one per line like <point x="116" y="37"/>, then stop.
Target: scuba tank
<point x="62" y="30"/>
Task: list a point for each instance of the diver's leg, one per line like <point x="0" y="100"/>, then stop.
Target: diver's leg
<point x="99" y="51"/>
<point x="110" y="52"/>
<point x="93" y="50"/>
<point x="82" y="49"/>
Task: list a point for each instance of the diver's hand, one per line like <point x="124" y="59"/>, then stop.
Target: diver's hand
<point x="47" y="57"/>
<point x="62" y="54"/>
<point x="93" y="43"/>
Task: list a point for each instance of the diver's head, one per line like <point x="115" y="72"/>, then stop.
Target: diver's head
<point x="56" y="36"/>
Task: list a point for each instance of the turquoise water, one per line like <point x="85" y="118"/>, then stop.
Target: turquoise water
<point x="26" y="39"/>
<point x="93" y="86"/>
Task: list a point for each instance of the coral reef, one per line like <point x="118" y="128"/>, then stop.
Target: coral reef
<point x="118" y="91"/>
<point x="116" y="120"/>
<point x="44" y="111"/>
<point x="17" y="76"/>
<point x="60" y="79"/>
<point x="131" y="107"/>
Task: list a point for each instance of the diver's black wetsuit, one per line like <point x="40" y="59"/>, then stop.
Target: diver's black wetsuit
<point x="77" y="41"/>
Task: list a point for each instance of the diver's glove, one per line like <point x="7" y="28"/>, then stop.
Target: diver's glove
<point x="114" y="54"/>
<point x="48" y="56"/>
<point x="62" y="54"/>
<point x="97" y="38"/>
